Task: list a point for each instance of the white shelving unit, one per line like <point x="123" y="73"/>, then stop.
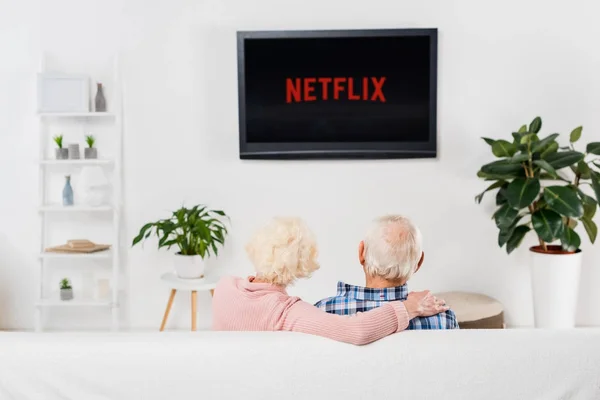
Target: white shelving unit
<point x="113" y="118"/>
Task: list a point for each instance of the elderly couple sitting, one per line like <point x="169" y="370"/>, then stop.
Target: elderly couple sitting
<point x="285" y="250"/>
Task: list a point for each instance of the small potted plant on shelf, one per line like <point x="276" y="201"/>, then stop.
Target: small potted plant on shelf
<point x="66" y="291"/>
<point x="196" y="232"/>
<point x="90" y="152"/>
<point x="61" y="153"/>
<point x="550" y="190"/>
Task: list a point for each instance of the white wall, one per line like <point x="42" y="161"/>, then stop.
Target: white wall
<point x="500" y="64"/>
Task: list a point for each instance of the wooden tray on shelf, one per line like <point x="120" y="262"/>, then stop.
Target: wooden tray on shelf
<point x="78" y="246"/>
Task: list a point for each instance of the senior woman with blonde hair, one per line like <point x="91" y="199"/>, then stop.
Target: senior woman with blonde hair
<point x="285" y="250"/>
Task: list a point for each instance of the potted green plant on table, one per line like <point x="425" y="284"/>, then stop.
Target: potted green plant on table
<point x="60" y="152"/>
<point x="552" y="191"/>
<point x="196" y="232"/>
<point x="66" y="291"/>
<point x="90" y="152"/>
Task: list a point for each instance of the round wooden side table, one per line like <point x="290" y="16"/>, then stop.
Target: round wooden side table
<point x="474" y="310"/>
<point x="193" y="285"/>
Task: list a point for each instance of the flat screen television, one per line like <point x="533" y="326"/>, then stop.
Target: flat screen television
<point x="337" y="94"/>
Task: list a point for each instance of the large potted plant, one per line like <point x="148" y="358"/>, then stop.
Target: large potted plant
<point x="197" y="233"/>
<point x="550" y="190"/>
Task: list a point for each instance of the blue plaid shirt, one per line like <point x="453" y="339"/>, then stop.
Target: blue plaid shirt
<point x="352" y="299"/>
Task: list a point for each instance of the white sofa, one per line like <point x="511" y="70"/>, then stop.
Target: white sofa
<point x="482" y="365"/>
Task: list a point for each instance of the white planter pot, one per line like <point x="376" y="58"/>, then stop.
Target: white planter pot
<point x="188" y="267"/>
<point x="555" y="286"/>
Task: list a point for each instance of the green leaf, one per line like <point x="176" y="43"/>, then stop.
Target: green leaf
<point x="541" y="203"/>
<point x="501" y="195"/>
<point x="518" y="158"/>
<point x="180" y="215"/>
<point x="570" y="240"/>
<point x="552" y="148"/>
<point x="144" y="234"/>
<point x="505" y="216"/>
<point x="58" y="139"/>
<point x="541" y="145"/>
<point x="202" y="230"/>
<point x="523" y="129"/>
<point x="169" y="243"/>
<point x="583" y="169"/>
<point x="516" y="238"/>
<point x="544" y="176"/>
<point x="564" y="200"/>
<point x="522" y="192"/>
<point x="593" y="148"/>
<point x="545" y="166"/>
<point x="570" y="222"/>
<point x="493" y="186"/>
<point x="547" y="224"/>
<point x="201" y="249"/>
<point x="90" y="140"/>
<point x="564" y="159"/>
<point x="493" y="177"/>
<point x="596" y="164"/>
<point x="517" y="137"/>
<point x="540" y="150"/>
<point x="488" y="140"/>
<point x="163" y="239"/>
<point x="503" y="168"/>
<point x="504" y="235"/>
<point x="193" y="212"/>
<point x="214" y="248"/>
<point x="575" y="134"/>
<point x="529" y="138"/>
<point x="589" y="205"/>
<point x="595" y="177"/>
<point x="502" y="148"/>
<point x="590" y="228"/>
<point x="535" y="125"/>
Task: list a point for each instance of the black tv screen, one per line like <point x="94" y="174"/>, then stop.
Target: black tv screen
<point x="337" y="94"/>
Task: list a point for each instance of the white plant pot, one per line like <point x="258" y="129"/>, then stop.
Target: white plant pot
<point x="188" y="267"/>
<point x="555" y="286"/>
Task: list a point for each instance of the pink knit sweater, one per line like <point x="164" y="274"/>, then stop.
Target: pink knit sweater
<point x="240" y="305"/>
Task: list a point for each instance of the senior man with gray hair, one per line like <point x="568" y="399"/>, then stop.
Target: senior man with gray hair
<point x="390" y="253"/>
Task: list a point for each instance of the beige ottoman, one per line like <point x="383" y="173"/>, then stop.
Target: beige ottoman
<point x="475" y="311"/>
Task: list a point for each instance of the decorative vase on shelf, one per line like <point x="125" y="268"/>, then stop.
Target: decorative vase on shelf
<point x="67" y="192"/>
<point x="91" y="153"/>
<point x="66" y="294"/>
<point x="62" y="154"/>
<point x="74" y="152"/>
<point x="100" y="101"/>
